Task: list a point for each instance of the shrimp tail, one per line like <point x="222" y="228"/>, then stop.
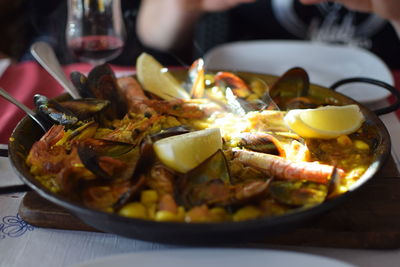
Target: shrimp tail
<point x="286" y="169"/>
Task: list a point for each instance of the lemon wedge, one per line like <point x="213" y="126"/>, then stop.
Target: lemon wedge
<point x="186" y="151"/>
<point x="156" y="79"/>
<point x="325" y="122"/>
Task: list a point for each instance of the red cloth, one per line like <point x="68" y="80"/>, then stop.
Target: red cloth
<point x="25" y="80"/>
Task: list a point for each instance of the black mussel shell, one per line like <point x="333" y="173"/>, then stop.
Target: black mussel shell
<point x="79" y="80"/>
<point x="208" y="183"/>
<point x="102" y="84"/>
<point x="170" y="132"/>
<point x="85" y="108"/>
<point x="53" y="111"/>
<point x="90" y="150"/>
<point x="293" y="83"/>
<point x="261" y="142"/>
<point x="146" y="160"/>
<point x="298" y="193"/>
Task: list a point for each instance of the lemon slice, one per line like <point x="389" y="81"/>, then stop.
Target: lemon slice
<point x="325" y="122"/>
<point x="186" y="151"/>
<point x="157" y="80"/>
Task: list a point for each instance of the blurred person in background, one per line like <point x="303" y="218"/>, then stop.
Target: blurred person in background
<point x="13" y="30"/>
<point x="178" y="31"/>
<point x="175" y="25"/>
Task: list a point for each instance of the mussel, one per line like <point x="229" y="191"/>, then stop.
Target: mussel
<point x="293" y="83"/>
<point x="261" y="142"/>
<point x="234" y="82"/>
<point x="70" y="112"/>
<point x="209" y="183"/>
<point x="101" y="83"/>
<point x="146" y="160"/>
<point x="52" y="111"/>
<point x="91" y="151"/>
<point x="79" y="81"/>
<point x="298" y="193"/>
<point x="85" y="108"/>
<point x="195" y="81"/>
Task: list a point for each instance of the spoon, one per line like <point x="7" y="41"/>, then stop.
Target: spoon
<point x="45" y="55"/>
<point x="29" y="112"/>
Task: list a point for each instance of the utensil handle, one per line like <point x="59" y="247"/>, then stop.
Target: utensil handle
<point x="11" y="188"/>
<point x="44" y="54"/>
<point x="30" y="113"/>
<point x="8" y="97"/>
<point x="393" y="107"/>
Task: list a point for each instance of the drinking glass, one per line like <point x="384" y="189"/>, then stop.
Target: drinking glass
<point x="95" y="30"/>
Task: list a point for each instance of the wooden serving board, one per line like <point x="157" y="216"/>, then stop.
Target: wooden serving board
<point x="369" y="219"/>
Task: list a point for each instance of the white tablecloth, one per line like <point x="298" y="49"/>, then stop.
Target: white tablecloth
<point x="24" y="245"/>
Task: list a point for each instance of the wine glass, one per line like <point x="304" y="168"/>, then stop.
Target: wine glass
<point x="95" y="30"/>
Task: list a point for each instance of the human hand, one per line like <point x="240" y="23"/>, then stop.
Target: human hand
<point x="168" y="24"/>
<point x="215" y="5"/>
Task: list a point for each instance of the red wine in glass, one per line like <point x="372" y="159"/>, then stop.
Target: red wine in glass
<point x="96" y="48"/>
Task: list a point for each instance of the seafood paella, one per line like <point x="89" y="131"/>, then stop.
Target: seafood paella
<point x="221" y="151"/>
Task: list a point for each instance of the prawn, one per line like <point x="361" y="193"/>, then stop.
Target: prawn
<point x="286" y="169"/>
<point x="45" y="156"/>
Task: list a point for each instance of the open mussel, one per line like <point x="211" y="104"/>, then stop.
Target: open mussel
<point x="298" y="193"/>
<point x="170" y="132"/>
<point x="292" y="84"/>
<point x="70" y="112"/>
<point x="261" y="142"/>
<point x="52" y="111"/>
<point x="146" y="159"/>
<point x="195" y="80"/>
<point x="102" y="83"/>
<point x="234" y="82"/>
<point x="86" y="108"/>
<point x="94" y="152"/>
<point x="208" y="183"/>
<point x="211" y="184"/>
<point x="79" y="81"/>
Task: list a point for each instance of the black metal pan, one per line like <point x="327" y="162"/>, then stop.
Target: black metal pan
<point x="27" y="132"/>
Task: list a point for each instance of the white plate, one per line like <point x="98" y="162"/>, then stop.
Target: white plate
<point x="324" y="63"/>
<point x="203" y="257"/>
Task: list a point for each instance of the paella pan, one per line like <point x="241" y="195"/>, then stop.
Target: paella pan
<point x="107" y="168"/>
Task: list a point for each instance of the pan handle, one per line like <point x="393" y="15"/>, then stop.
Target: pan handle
<point x="393" y="90"/>
<point x="11" y="188"/>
